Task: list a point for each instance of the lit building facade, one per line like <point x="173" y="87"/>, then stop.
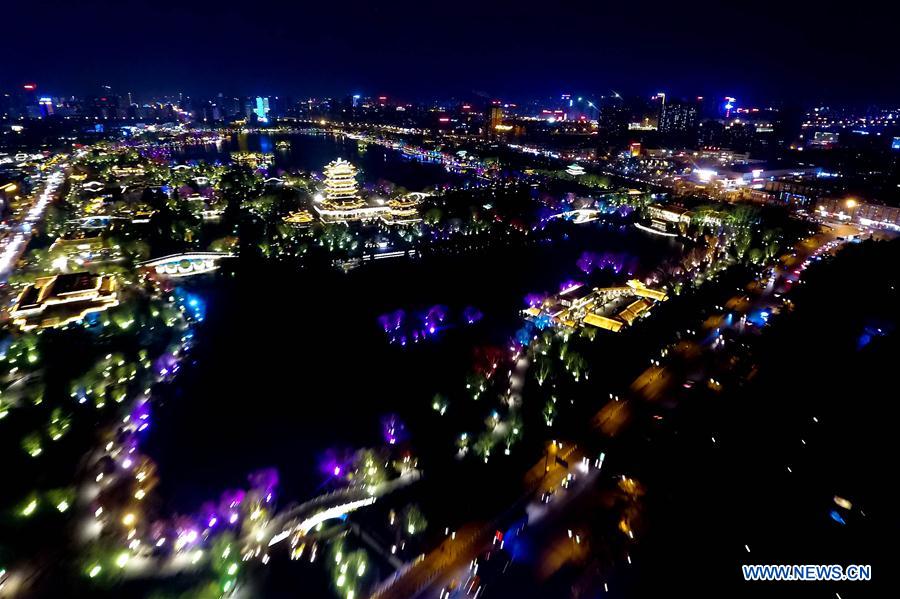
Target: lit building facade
<point x="610" y="308"/>
<point x="341" y="187"/>
<point x="869" y="215"/>
<point x="342" y="202"/>
<point x="262" y="109"/>
<point x="58" y="300"/>
<point x="494" y="118"/>
<point x="678" y="117"/>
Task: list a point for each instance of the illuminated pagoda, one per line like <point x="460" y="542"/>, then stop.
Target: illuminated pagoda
<point x="342" y="202"/>
<point x="341" y="189"/>
<point x="575" y="169"/>
<point x="403" y="210"/>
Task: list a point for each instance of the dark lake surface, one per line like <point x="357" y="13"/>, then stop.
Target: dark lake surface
<point x="311" y="152"/>
<point x="290" y="363"/>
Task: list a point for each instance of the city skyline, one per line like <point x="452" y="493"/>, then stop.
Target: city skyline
<point x="411" y="300"/>
<point x="768" y="52"/>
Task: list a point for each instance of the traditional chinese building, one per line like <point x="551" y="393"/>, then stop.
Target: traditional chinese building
<point x="61" y="299"/>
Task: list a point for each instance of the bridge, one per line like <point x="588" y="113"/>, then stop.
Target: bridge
<point x="419" y="195"/>
<point x="579" y="216"/>
<point x="296" y="522"/>
<point x="186" y="264"/>
<point x="307" y="516"/>
<point x="95" y="222"/>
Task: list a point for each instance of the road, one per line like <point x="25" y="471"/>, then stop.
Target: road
<point x="434" y="572"/>
<point x="14" y="245"/>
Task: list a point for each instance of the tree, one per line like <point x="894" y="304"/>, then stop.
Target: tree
<point x="368" y="467"/>
<point x="224" y="244"/>
<point x="550" y="411"/>
<point x="741" y="242"/>
<point x="137" y="250"/>
<point x="742" y="215"/>
<point x="484" y="445"/>
<point x="433" y="216"/>
<point x="414" y="520"/>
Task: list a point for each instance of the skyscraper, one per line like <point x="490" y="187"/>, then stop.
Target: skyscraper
<point x="262" y="109"/>
<point x="494" y="118"/>
<point x="678" y="117"/>
<point x="46" y="106"/>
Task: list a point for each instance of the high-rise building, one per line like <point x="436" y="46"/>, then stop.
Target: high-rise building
<point x="614" y="116"/>
<point x="29" y="93"/>
<point x="262" y="109"/>
<point x="728" y="106"/>
<point x="46" y="105"/>
<point x="678" y="117"/>
<point x="495" y="117"/>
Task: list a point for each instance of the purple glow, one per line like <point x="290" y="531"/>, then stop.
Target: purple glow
<point x="434" y="320"/>
<point x="230" y="500"/>
<point x="165" y="363"/>
<point x="472" y="315"/>
<point x="264" y="481"/>
<point x="392" y="429"/>
<point x="591" y="261"/>
<point x="141" y="411"/>
<point x="569" y="285"/>
<point x="534" y="300"/>
<point x="436" y="313"/>
<point x="335" y="463"/>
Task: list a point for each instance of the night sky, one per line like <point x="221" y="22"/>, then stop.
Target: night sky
<point x="417" y="50"/>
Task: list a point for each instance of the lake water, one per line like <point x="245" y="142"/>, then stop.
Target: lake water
<point x="291" y="363"/>
<point x="311" y="152"/>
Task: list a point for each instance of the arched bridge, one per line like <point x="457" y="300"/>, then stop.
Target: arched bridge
<point x="186" y="264"/>
<point x="581" y="215"/>
<point x="307" y="516"/>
